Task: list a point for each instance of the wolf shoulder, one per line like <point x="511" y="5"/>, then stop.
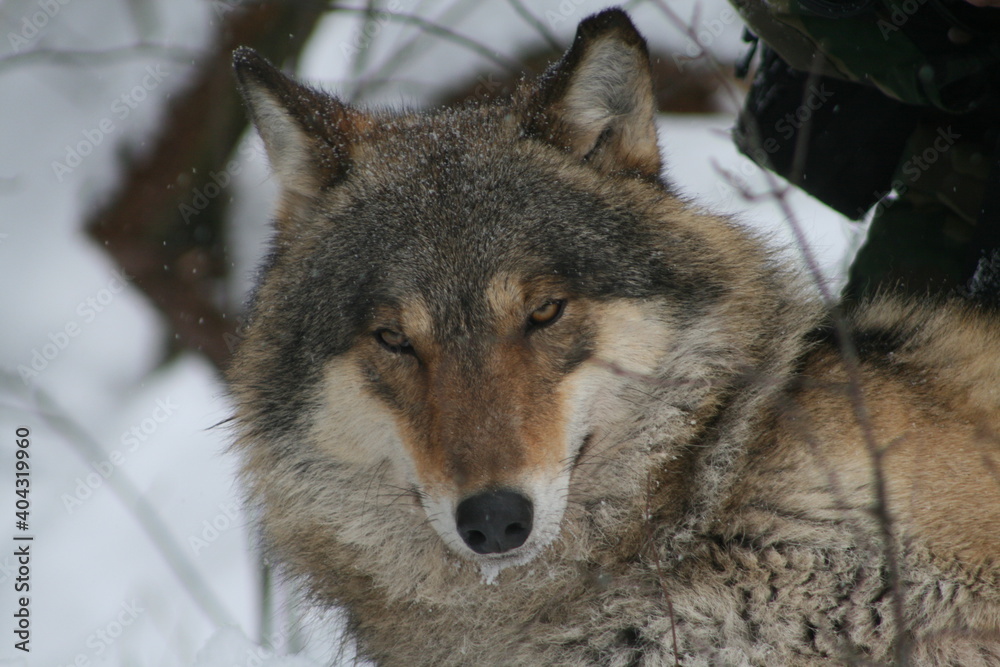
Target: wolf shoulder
<point x="919" y="404"/>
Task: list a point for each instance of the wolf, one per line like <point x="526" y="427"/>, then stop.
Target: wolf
<point x="504" y="398"/>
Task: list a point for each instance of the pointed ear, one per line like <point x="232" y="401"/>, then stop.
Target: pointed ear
<point x="597" y="102"/>
<point x="307" y="134"/>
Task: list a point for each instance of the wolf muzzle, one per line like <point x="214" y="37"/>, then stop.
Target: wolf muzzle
<point x="494" y="522"/>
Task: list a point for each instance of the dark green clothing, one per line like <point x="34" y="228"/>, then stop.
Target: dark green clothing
<point x="924" y="239"/>
<point x="940" y="63"/>
<point x="926" y="52"/>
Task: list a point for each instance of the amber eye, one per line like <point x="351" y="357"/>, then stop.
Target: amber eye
<point x="546" y="314"/>
<point x="393" y="341"/>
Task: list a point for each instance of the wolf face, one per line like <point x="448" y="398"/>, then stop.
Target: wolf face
<point x="473" y="301"/>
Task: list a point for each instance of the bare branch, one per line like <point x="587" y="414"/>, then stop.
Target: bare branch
<point x="86" y="58"/>
<point x="444" y="33"/>
<point x="533" y="21"/>
<point x="144" y="226"/>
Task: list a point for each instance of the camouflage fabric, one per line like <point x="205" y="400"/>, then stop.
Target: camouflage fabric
<point x="923" y="236"/>
<point x="928" y="232"/>
<point x="925" y="52"/>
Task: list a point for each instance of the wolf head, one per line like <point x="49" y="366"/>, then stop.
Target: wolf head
<point x="477" y="306"/>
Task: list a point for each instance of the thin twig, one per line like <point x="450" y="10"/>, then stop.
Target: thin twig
<point x="703" y="53"/>
<point x="779" y="194"/>
<point x="661" y="577"/>
<point x="852" y="366"/>
<point x="444" y="33"/>
<point x="533" y="21"/>
<point x="405" y="53"/>
<point x="360" y="58"/>
<point x="83" y="57"/>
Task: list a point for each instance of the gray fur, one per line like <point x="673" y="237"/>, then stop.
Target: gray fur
<point x="728" y="499"/>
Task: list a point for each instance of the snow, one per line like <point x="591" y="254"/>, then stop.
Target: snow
<point x="706" y="167"/>
<point x="230" y="646"/>
<point x="102" y="592"/>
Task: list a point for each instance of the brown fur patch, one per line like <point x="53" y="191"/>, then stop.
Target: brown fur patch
<point x="495" y="423"/>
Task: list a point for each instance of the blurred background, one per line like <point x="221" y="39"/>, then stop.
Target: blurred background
<point x="134" y="208"/>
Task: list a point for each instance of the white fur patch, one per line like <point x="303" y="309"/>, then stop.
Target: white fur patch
<point x="610" y="90"/>
<point x="603" y="81"/>
<point x="288" y="149"/>
<point x="354" y="426"/>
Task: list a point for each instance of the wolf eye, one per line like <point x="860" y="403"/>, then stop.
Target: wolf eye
<point x="546" y="314"/>
<point x="394" y="341"/>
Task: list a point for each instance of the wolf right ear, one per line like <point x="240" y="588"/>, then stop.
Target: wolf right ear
<point x="307" y="134"/>
<point x="597" y="102"/>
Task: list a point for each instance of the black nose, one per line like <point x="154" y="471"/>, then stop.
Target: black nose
<point x="493" y="522"/>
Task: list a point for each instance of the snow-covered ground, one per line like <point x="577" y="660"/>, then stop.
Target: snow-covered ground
<point x="79" y="345"/>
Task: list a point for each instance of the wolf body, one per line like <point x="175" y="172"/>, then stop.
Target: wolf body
<point x="507" y="400"/>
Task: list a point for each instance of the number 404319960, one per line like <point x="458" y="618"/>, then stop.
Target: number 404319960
<point x="22" y="477"/>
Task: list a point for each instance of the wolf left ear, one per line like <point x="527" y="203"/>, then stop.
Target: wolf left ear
<point x="307" y="133"/>
<point x="597" y="101"/>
